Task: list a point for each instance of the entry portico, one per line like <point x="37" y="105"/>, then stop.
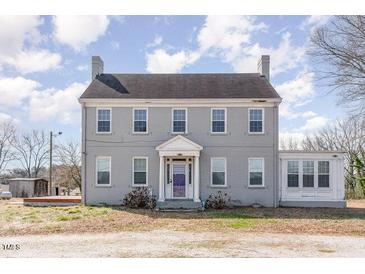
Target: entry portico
<point x="179" y="176"/>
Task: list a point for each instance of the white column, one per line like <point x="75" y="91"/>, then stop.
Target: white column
<point x="161" y="190"/>
<point x="196" y="179"/>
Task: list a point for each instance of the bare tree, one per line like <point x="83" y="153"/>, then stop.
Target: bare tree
<point x="289" y="143"/>
<point x="340" y="46"/>
<point x="7" y="133"/>
<point x="69" y="157"/>
<point x="347" y="135"/>
<point x="32" y="151"/>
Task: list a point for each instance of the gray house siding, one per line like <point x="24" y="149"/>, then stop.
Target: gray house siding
<point x="237" y="145"/>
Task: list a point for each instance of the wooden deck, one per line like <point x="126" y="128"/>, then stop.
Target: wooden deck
<point x="52" y="201"/>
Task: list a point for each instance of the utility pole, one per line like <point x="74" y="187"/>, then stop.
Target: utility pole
<point x="50" y="164"/>
<point x="51" y="135"/>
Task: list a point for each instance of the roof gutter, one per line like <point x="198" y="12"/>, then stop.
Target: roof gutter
<point x="199" y="102"/>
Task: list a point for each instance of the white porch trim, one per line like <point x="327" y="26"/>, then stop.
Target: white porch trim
<point x="179" y="146"/>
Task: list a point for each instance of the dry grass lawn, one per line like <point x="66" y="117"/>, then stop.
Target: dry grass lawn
<point x="22" y="220"/>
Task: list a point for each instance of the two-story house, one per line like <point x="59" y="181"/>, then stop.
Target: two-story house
<point x="187" y="136"/>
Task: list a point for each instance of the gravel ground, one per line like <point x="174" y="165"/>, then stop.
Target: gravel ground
<point x="166" y="243"/>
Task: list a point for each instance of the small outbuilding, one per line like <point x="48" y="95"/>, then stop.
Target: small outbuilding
<point x="28" y="187"/>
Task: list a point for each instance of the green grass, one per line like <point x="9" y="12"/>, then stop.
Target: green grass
<point x="236" y="220"/>
<point x="81" y="212"/>
<point x="63" y="218"/>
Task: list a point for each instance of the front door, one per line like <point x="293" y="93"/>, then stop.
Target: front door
<point x="178" y="180"/>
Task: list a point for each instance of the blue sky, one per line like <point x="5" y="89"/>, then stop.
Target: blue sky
<point x="45" y="61"/>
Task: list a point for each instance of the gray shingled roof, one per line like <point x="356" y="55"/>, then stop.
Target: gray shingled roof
<point x="180" y="86"/>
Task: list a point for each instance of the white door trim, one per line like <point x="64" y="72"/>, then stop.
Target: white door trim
<point x="185" y="164"/>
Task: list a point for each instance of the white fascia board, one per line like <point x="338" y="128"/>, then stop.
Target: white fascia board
<point x="216" y="102"/>
<point x="311" y="155"/>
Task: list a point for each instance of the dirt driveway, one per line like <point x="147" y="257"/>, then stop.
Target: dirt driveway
<point x="165" y="243"/>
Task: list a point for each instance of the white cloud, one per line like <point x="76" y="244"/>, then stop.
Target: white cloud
<point x="284" y="57"/>
<point x="19" y="93"/>
<point x="296" y="93"/>
<point x="227" y="33"/>
<point x="82" y="67"/>
<point x="46" y="105"/>
<point x="79" y="31"/>
<point x="115" y="45"/>
<point x="156" y="42"/>
<point x="118" y="18"/>
<point x="297" y="90"/>
<point x="315" y="123"/>
<point x="314" y="21"/>
<point x="13" y="91"/>
<point x="309" y="114"/>
<point x="19" y="45"/>
<point x="162" y="62"/>
<point x="167" y="20"/>
<point x="230" y="39"/>
<point x="6" y="118"/>
<point x="36" y="61"/>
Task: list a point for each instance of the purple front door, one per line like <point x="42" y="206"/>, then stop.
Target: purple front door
<point x="179" y="182"/>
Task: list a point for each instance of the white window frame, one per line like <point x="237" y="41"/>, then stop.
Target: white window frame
<point x="139" y="157"/>
<point x="315" y="174"/>
<point x="299" y="173"/>
<point x="329" y="174"/>
<point x="225" y="121"/>
<point x="263" y="121"/>
<point x="263" y="172"/>
<point x="138" y="132"/>
<point x="96" y="171"/>
<point x="97" y="120"/>
<point x="186" y="121"/>
<point x="225" y="172"/>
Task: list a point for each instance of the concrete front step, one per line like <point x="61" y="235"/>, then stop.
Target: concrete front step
<point x="179" y="205"/>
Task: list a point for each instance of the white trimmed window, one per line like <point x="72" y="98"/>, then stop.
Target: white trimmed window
<point x="323" y="173"/>
<point x="103" y="170"/>
<point x="256" y="120"/>
<point x="103" y="118"/>
<point x="256" y="171"/>
<point x="140" y="169"/>
<point x="218" y="172"/>
<point x="140" y="119"/>
<point x="218" y="120"/>
<point x="179" y="120"/>
<point x="293" y="173"/>
<point x="308" y="173"/>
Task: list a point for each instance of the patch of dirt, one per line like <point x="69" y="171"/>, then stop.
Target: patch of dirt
<point x="167" y="243"/>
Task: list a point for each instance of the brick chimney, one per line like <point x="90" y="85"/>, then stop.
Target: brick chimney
<point x="97" y="66"/>
<point x="263" y="66"/>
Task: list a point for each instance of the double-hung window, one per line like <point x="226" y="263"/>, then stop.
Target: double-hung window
<point x="140" y="169"/>
<point x="140" y="117"/>
<point x="293" y="173"/>
<point x="323" y="173"/>
<point x="104" y="120"/>
<point x="256" y="120"/>
<point x="179" y="120"/>
<point x="218" y="170"/>
<point x="103" y="170"/>
<point x="256" y="171"/>
<point x="308" y="173"/>
<point x="218" y="120"/>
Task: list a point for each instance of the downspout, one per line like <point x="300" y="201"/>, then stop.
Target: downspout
<point x="276" y="155"/>
<point x="83" y="137"/>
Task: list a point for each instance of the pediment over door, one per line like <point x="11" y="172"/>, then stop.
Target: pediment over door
<point x="179" y="146"/>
